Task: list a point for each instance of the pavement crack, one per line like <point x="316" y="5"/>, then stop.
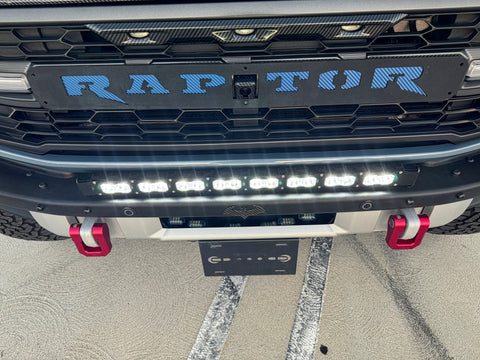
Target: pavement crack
<point x="422" y="332"/>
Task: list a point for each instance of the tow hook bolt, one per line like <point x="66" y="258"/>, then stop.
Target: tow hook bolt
<point x="91" y="238"/>
<point x="397" y="225"/>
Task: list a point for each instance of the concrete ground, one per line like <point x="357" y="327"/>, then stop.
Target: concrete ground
<point x="147" y="300"/>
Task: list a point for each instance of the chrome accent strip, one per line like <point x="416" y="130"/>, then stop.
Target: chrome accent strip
<point x="430" y="154"/>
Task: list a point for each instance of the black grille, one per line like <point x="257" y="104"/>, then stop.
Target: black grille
<point x="454" y="121"/>
<point x="414" y="32"/>
<point x="41" y="130"/>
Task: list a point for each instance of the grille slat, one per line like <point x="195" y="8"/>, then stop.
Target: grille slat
<point x="190" y="127"/>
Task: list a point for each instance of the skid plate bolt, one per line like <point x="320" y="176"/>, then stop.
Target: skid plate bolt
<point x="471" y="160"/>
<point x="28" y="174"/>
<point x="40" y="207"/>
<point x="410" y="202"/>
<point x="87" y="211"/>
<point x="460" y="196"/>
<point x="456" y="172"/>
<point x="42" y="185"/>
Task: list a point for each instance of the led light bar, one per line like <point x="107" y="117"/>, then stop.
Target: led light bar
<point x="116" y="188"/>
<point x="286" y="221"/>
<point x="346" y="180"/>
<point x="378" y="179"/>
<point x="307" y="217"/>
<point x="14" y="83"/>
<point x="194" y="185"/>
<point x="231" y="184"/>
<point x="268" y="183"/>
<point x="149" y="187"/>
<point x="313" y="179"/>
<point x="306" y="182"/>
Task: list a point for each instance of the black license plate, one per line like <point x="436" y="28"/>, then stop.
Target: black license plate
<point x="249" y="257"/>
<point x="253" y="85"/>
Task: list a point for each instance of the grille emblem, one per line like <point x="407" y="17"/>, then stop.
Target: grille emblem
<point x="244" y="211"/>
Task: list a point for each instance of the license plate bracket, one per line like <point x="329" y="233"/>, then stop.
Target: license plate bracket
<point x="249" y="257"/>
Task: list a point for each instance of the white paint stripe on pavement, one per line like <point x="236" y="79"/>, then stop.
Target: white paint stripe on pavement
<point x="218" y="321"/>
<point x="305" y="327"/>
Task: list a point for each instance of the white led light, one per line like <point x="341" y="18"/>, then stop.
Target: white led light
<point x="148" y="187"/>
<point x="116" y="188"/>
<point x="194" y="185"/>
<point x="346" y="180"/>
<point x="268" y="183"/>
<point x="351" y="28"/>
<point x="296" y="182"/>
<point x="244" y="32"/>
<point x="139" y="34"/>
<point x="16" y="83"/>
<point x="378" y="179"/>
<point x="231" y="184"/>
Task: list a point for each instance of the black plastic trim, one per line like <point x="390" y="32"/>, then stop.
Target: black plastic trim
<point x="22" y="188"/>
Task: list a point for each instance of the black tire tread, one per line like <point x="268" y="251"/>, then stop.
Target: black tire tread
<point x="19" y="227"/>
<point x="467" y="223"/>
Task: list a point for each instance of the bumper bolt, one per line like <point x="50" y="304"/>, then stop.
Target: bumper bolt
<point x="367" y="205"/>
<point x="410" y="202"/>
<point x="42" y="185"/>
<point x="87" y="211"/>
<point x="460" y="196"/>
<point x="128" y="211"/>
<point x="40" y="207"/>
<point x="470" y="160"/>
<point x="28" y="173"/>
<point x="456" y="172"/>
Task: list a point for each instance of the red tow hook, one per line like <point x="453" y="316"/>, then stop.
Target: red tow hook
<point x="396" y="227"/>
<point x="91" y="238"/>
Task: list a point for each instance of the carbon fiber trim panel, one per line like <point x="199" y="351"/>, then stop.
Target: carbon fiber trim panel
<point x="323" y="27"/>
<point x="143" y="12"/>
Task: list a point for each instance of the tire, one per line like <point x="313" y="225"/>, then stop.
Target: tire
<point x="19" y="227"/>
<point x="467" y="223"/>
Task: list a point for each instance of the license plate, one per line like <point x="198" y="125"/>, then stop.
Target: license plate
<point x="253" y="85"/>
<point x="249" y="257"/>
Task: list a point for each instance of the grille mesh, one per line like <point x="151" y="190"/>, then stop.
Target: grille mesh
<point x="459" y="118"/>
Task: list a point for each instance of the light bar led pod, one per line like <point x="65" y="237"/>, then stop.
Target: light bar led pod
<point x="345" y="180"/>
<point x="149" y="187"/>
<point x="231" y="184"/>
<point x="268" y="183"/>
<point x="306" y="182"/>
<point x="194" y="185"/>
<point x="116" y="188"/>
<point x="378" y="179"/>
